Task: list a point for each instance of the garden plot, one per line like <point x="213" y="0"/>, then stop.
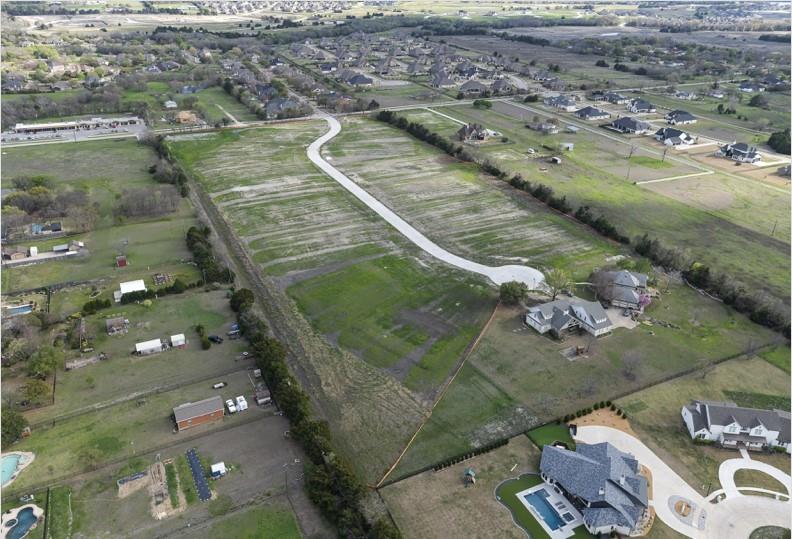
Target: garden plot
<point x="385" y="318"/>
<point x="451" y="202"/>
<point x="595" y="175"/>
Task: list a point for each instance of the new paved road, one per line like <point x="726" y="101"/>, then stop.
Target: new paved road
<point x="498" y="275"/>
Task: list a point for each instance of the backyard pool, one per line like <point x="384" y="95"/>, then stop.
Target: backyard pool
<point x="17" y="526"/>
<point x="9" y="466"/>
<point x="538" y="500"/>
<point x="20" y="309"/>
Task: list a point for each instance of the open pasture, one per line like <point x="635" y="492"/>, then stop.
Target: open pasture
<point x="517" y="379"/>
<point x="467" y="212"/>
<point x="654" y="414"/>
<point x="593" y="174"/>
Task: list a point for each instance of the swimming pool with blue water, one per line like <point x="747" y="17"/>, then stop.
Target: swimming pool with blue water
<point x="538" y="501"/>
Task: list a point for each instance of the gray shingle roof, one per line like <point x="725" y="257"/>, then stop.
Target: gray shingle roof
<point x="725" y="413"/>
<point x="190" y="410"/>
<point x="602" y="475"/>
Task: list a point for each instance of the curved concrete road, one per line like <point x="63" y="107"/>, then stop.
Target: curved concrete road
<point x="735" y="517"/>
<point x="533" y="278"/>
<point x="730" y="467"/>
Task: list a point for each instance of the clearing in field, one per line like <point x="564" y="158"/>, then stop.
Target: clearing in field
<point x="391" y="322"/>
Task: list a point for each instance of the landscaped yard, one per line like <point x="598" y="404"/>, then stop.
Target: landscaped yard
<point x="655" y="415"/>
<point x="549" y="434"/>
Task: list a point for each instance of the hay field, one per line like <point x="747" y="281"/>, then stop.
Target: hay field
<point x="461" y="209"/>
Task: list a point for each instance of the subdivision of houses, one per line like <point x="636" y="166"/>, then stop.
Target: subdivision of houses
<point x="741" y="152"/>
<point x="680" y="117"/>
<point x="624" y="288"/>
<point x="502" y="87"/>
<point x="562" y="316"/>
<point x="591" y="113"/>
<point x="616" y="98"/>
<point x="627" y="124"/>
<point x="473" y="88"/>
<point x="603" y="482"/>
<point x="674" y="137"/>
<point x="732" y="426"/>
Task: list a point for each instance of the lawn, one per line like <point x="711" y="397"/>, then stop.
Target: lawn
<point x="449" y="509"/>
<point x="517" y="379"/>
<point x="655" y="415"/>
<point x="757" y="479"/>
<point x="258" y="522"/>
<point x="549" y="434"/>
<point x="123" y="374"/>
<point x="59" y="513"/>
<point x="92" y="440"/>
<point x="210" y="98"/>
<point x="506" y="494"/>
<point x="186" y="481"/>
<point x="173" y="483"/>
<point x="650" y="162"/>
<point x="779" y="356"/>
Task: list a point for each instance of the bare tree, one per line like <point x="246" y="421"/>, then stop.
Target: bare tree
<point x="630" y="361"/>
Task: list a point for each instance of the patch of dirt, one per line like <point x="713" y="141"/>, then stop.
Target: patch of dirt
<point x="702" y="192"/>
<point x="605" y="418"/>
<point x="405" y="363"/>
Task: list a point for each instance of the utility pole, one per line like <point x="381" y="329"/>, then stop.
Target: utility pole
<point x="629" y="163"/>
<point x="774" y="228"/>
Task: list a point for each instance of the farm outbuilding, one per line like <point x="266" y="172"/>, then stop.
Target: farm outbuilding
<point x="192" y="414"/>
<point x="128" y="287"/>
<point x="178" y="341"/>
<point x="149" y="347"/>
<point x="121" y="261"/>
<point x="115" y="326"/>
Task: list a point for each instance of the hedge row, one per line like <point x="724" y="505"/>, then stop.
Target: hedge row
<point x="465" y="456"/>
<point x="177" y="287"/>
<point x="201" y="249"/>
<point x="760" y="309"/>
<point x="329" y="479"/>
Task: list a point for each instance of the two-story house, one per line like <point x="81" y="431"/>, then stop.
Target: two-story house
<point x="732" y="426"/>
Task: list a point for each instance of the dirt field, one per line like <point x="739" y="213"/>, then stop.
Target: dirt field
<point x="448" y="509"/>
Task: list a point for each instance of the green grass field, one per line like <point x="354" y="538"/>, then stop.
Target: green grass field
<point x="258" y="522"/>
<point x="779" y="356"/>
<point x="595" y="174"/>
<point x="654" y="414"/>
<point x="549" y="434"/>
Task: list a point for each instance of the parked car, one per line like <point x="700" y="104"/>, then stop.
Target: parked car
<point x="531" y="151"/>
<point x="219" y="385"/>
<point x="215" y="339"/>
<point x="231" y="406"/>
<point x="241" y="403"/>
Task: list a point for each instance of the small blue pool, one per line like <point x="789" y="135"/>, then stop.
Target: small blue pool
<point x="21" y="524"/>
<point x="538" y="501"/>
<point x="20" y="309"/>
<point x="9" y="466"/>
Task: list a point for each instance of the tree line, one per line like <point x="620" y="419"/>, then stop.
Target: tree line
<point x="757" y="307"/>
<point x="329" y="480"/>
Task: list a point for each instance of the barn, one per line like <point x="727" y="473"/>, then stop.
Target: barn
<point x="192" y="414"/>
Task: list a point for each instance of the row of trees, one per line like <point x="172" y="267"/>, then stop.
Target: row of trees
<point x="760" y="308"/>
<point x="213" y="269"/>
<point x="329" y="479"/>
<point x="148" y="201"/>
<point x="779" y="141"/>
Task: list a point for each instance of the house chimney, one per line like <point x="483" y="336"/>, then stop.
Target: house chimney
<point x="621" y="480"/>
<point x="602" y="491"/>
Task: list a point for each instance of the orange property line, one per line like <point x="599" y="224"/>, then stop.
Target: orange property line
<point x="472" y="347"/>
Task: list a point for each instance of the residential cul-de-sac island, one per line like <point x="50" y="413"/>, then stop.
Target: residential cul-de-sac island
<point x="382" y="270"/>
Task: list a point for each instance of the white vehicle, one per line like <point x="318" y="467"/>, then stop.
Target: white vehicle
<point x="531" y="151"/>
<point x="241" y="403"/>
<point x="231" y="406"/>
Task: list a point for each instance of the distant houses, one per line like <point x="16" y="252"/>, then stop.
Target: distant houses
<point x="561" y="102"/>
<point x="473" y="88"/>
<point x="638" y="106"/>
<point x="630" y="125"/>
<point x="591" y="113"/>
<point x="680" y="117"/>
<point x="562" y="316"/>
<point x="623" y="288"/>
<point x="616" y="98"/>
<point x="674" y="137"/>
<point x="603" y="482"/>
<point x="472" y="132"/>
<point x="732" y="426"/>
<point x="751" y="87"/>
<point x="740" y="152"/>
<point x="687" y="96"/>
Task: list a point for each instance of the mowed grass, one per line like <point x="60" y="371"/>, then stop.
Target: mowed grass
<point x="59" y="513"/>
<point x="91" y="440"/>
<point x="595" y="174"/>
<point x="779" y="356"/>
<point x="549" y="434"/>
<point x="213" y="96"/>
<point x="651" y="162"/>
<point x="258" y="522"/>
<point x="655" y="415"/>
<point x="517" y="379"/>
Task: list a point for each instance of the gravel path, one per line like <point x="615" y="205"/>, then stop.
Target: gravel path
<point x="498" y="275"/>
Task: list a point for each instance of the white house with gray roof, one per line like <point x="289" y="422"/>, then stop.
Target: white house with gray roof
<point x="602" y="482"/>
<point x="561" y="316"/>
<point x="731" y="426"/>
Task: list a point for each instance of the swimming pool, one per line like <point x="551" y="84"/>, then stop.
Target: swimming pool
<point x="9" y="467"/>
<point x="20" y="309"/>
<point x="21" y="524"/>
<point x="538" y="501"/>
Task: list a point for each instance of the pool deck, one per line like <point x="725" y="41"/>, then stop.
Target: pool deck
<point x="26" y="458"/>
<point x="38" y="512"/>
<point x="560" y="505"/>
